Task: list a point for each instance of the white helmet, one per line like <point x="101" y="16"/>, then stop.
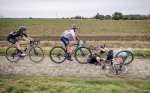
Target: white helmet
<point x="74" y="26"/>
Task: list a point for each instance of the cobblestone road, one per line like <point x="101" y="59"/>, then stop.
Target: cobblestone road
<point x="139" y="68"/>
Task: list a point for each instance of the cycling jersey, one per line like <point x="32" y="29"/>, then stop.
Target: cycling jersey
<point x="68" y="34"/>
<point x="93" y="58"/>
<point x="13" y="35"/>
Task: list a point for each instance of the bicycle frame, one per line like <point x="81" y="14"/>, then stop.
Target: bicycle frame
<point x="28" y="47"/>
<point x="74" y="49"/>
<point x="76" y="46"/>
<point x="31" y="45"/>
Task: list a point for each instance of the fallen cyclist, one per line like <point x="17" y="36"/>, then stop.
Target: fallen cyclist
<point x="110" y="54"/>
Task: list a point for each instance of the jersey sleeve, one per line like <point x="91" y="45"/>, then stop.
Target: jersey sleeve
<point x="73" y="33"/>
<point x="23" y="34"/>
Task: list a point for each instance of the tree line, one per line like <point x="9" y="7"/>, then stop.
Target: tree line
<point x="116" y="16"/>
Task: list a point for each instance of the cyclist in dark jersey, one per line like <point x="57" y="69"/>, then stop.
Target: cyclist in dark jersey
<point x="95" y="59"/>
<point x="12" y="38"/>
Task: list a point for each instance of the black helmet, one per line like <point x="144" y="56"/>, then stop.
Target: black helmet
<point x="22" y="28"/>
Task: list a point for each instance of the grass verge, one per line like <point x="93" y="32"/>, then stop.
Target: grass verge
<point x="45" y="84"/>
<point x="136" y="52"/>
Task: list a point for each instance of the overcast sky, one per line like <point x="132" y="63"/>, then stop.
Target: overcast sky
<point x="69" y="8"/>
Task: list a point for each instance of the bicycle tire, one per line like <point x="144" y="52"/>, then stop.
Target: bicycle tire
<point x="36" y="53"/>
<point x="111" y="72"/>
<point x="60" y="55"/>
<point x="15" y="51"/>
<point x="78" y="58"/>
<point x="125" y="62"/>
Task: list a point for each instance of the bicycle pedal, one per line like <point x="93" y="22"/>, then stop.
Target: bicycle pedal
<point x="22" y="57"/>
<point x="70" y="59"/>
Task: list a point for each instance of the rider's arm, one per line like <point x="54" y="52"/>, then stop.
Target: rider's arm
<point x="31" y="39"/>
<point x="26" y="37"/>
<point x="75" y="38"/>
<point x="75" y="41"/>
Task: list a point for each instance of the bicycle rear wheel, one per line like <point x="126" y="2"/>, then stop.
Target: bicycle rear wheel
<point x="81" y="54"/>
<point x="128" y="58"/>
<point x="113" y="71"/>
<point x="57" y="54"/>
<point x="36" y="54"/>
<point x="12" y="54"/>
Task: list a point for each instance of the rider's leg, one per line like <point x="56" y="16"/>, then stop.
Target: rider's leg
<point x="68" y="47"/>
<point x="106" y="49"/>
<point x="17" y="44"/>
<point x="100" y="59"/>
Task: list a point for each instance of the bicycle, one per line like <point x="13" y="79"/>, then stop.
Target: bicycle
<point x="58" y="54"/>
<point x="117" y="68"/>
<point x="127" y="55"/>
<point x="116" y="65"/>
<point x="35" y="53"/>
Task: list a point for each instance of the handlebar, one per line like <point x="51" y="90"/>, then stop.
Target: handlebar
<point x="34" y="42"/>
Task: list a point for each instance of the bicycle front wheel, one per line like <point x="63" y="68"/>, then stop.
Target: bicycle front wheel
<point x="81" y="54"/>
<point x="113" y="71"/>
<point x="36" y="54"/>
<point x="12" y="54"/>
<point x="57" y="54"/>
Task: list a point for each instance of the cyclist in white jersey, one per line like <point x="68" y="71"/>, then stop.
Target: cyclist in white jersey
<point x="66" y="36"/>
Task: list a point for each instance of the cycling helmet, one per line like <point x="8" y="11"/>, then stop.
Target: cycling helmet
<point x="22" y="28"/>
<point x="74" y="26"/>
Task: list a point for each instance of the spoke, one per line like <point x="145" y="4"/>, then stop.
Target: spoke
<point x="57" y="54"/>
